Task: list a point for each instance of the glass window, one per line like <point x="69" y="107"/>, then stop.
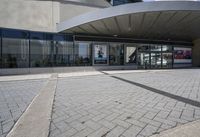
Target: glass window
<point x="143" y="60"/>
<point x="166" y="48"/>
<point x="155" y="47"/>
<point x="0" y="50"/>
<point x="101" y="55"/>
<point x="116" y="56"/>
<point x="156" y="60"/>
<point x="82" y="53"/>
<point x="41" y="53"/>
<point x="182" y="55"/>
<point x="130" y="53"/>
<point x="143" y="47"/>
<point x="167" y="60"/>
<point x="63" y="53"/>
<point x="15" y="53"/>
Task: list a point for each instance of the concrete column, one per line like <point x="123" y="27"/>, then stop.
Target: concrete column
<point x="30" y="14"/>
<point x="196" y="53"/>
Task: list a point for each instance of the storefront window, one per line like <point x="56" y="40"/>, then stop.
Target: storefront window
<point x="100" y="51"/>
<point x="144" y="60"/>
<point x="0" y="50"/>
<point x="130" y="54"/>
<point x="155" y="47"/>
<point x="63" y="53"/>
<point x="143" y="47"/>
<point x="41" y="55"/>
<point x="15" y="53"/>
<point x="82" y="53"/>
<point x="182" y="55"/>
<point x="116" y="56"/>
<point x="15" y="49"/>
<point x="167" y="60"/>
<point x="166" y="48"/>
<point x="156" y="60"/>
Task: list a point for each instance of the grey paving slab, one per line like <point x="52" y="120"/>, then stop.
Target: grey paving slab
<point x="36" y="119"/>
<point x="15" y="96"/>
<point x="104" y="106"/>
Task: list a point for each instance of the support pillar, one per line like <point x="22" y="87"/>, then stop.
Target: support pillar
<point x="196" y="53"/>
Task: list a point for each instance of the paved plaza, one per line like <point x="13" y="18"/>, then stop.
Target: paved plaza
<point x="109" y="103"/>
<point x="15" y="96"/>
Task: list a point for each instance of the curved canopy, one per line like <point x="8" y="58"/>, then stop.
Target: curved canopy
<point x="162" y="20"/>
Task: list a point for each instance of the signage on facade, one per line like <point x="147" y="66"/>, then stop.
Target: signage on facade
<point x="182" y="55"/>
<point x="100" y="54"/>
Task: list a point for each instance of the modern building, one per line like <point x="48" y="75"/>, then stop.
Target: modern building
<point x="68" y="35"/>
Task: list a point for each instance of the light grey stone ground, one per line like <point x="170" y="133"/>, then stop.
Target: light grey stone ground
<point x="115" y="104"/>
<point x="103" y="106"/>
<point x="15" y="96"/>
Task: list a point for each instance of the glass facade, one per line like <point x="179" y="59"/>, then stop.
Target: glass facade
<point x="41" y="53"/>
<point x="63" y="53"/>
<point x="15" y="49"/>
<point x="116" y="56"/>
<point x="120" y="2"/>
<point x="155" y="56"/>
<point x="82" y="52"/>
<point x="24" y="49"/>
<point x="130" y="54"/>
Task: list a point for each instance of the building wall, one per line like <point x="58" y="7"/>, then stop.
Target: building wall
<point x="196" y="53"/>
<point x="41" y="15"/>
<point x="69" y="10"/>
<point x="29" y="14"/>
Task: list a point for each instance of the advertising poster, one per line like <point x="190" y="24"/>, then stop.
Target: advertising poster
<point x="100" y="54"/>
<point x="182" y="55"/>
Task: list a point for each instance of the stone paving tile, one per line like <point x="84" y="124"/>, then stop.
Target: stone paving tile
<point x="132" y="131"/>
<point x="105" y="106"/>
<point x="15" y="96"/>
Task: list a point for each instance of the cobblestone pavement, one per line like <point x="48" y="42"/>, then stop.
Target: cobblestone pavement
<point x="184" y="83"/>
<point x="15" y="96"/>
<point x="104" y="106"/>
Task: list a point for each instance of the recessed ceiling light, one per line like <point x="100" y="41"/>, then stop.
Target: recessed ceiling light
<point x="115" y="35"/>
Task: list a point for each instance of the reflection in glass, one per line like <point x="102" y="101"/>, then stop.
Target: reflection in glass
<point x="131" y="54"/>
<point x="41" y="53"/>
<point x="63" y="53"/>
<point x="143" y="60"/>
<point x="182" y="55"/>
<point x="0" y="55"/>
<point x="156" y="60"/>
<point x="82" y="53"/>
<point x="167" y="60"/>
<point x="166" y="48"/>
<point x="15" y="53"/>
<point x="155" y="48"/>
<point x="143" y="47"/>
<point x="116" y="54"/>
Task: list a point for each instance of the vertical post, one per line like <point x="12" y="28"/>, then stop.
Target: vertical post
<point x="172" y="56"/>
<point x="161" y="56"/>
<point x="29" y="49"/>
<point x="1" y="63"/>
<point x="74" y="50"/>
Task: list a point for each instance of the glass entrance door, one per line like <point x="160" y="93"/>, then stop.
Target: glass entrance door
<point x="156" y="61"/>
<point x="144" y="60"/>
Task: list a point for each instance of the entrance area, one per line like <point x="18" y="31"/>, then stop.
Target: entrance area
<point x="130" y="55"/>
<point x="143" y="60"/>
<point x="156" y="61"/>
<point x="154" y="56"/>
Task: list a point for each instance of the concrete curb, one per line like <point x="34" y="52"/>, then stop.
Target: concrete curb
<point x="35" y="121"/>
<point x="191" y="129"/>
<point x="24" y="77"/>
